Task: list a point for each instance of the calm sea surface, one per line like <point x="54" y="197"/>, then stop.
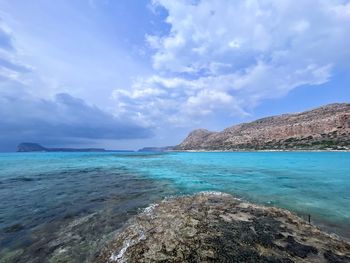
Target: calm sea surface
<point x="63" y="207"/>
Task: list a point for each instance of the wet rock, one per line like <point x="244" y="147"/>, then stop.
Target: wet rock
<point x="298" y="249"/>
<point x="9" y="256"/>
<point x="333" y="258"/>
<point x="13" y="228"/>
<point x="216" y="227"/>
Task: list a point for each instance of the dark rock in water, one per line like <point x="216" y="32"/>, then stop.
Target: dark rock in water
<point x="13" y="228"/>
<point x="216" y="227"/>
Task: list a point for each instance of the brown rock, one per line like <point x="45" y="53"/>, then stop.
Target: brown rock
<point x="182" y="230"/>
<point x="327" y="127"/>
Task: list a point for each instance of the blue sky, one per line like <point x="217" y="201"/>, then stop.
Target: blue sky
<point x="127" y="74"/>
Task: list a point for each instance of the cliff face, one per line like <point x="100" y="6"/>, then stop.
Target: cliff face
<point x="327" y="127"/>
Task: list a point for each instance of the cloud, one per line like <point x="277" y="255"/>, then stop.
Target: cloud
<point x="6" y="41"/>
<point x="240" y="32"/>
<point x="12" y="71"/>
<point x="222" y="58"/>
<point x="28" y="113"/>
<point x="62" y="120"/>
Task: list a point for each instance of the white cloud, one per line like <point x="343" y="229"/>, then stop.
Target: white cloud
<point x="229" y="32"/>
<point x="342" y="10"/>
<point x="223" y="55"/>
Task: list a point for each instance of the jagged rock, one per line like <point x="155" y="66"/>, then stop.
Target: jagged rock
<point x="327" y="127"/>
<point x="216" y="227"/>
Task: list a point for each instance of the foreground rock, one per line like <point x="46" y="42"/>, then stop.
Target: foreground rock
<point x="214" y="227"/>
<point x="324" y="128"/>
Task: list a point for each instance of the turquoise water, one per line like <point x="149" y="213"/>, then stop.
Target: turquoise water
<point x="70" y="202"/>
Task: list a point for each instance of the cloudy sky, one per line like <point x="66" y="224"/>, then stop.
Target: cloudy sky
<point x="127" y="74"/>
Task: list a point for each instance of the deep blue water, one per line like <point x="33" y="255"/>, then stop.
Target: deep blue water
<point x="64" y="205"/>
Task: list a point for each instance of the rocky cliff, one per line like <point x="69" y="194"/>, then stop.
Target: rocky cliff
<point x="323" y="128"/>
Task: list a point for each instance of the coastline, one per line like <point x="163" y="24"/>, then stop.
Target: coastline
<point x="241" y="150"/>
<point x="214" y="226"/>
<point x="314" y="184"/>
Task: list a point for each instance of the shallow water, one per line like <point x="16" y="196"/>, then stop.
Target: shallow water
<point x="66" y="205"/>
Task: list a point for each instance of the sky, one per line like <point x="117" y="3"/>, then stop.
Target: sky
<point x="130" y="74"/>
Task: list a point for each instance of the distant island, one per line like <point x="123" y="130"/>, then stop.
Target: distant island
<point x="157" y="149"/>
<point x="323" y="128"/>
<point x="35" y="147"/>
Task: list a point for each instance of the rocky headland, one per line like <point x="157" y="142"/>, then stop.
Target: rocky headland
<point x="216" y="227"/>
<point x="35" y="147"/>
<point x="323" y="128"/>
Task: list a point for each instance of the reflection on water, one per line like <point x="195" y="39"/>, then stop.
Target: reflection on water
<point x="62" y="207"/>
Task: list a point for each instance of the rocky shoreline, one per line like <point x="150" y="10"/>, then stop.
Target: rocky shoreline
<point x="247" y="150"/>
<point x="216" y="227"/>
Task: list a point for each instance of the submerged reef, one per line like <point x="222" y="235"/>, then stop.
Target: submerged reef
<point x="216" y="227"/>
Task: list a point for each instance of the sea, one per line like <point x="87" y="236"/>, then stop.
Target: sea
<point x="65" y="207"/>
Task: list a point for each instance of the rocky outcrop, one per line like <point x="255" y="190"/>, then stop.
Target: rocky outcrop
<point x="216" y="227"/>
<point x="30" y="147"/>
<point x="327" y="127"/>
